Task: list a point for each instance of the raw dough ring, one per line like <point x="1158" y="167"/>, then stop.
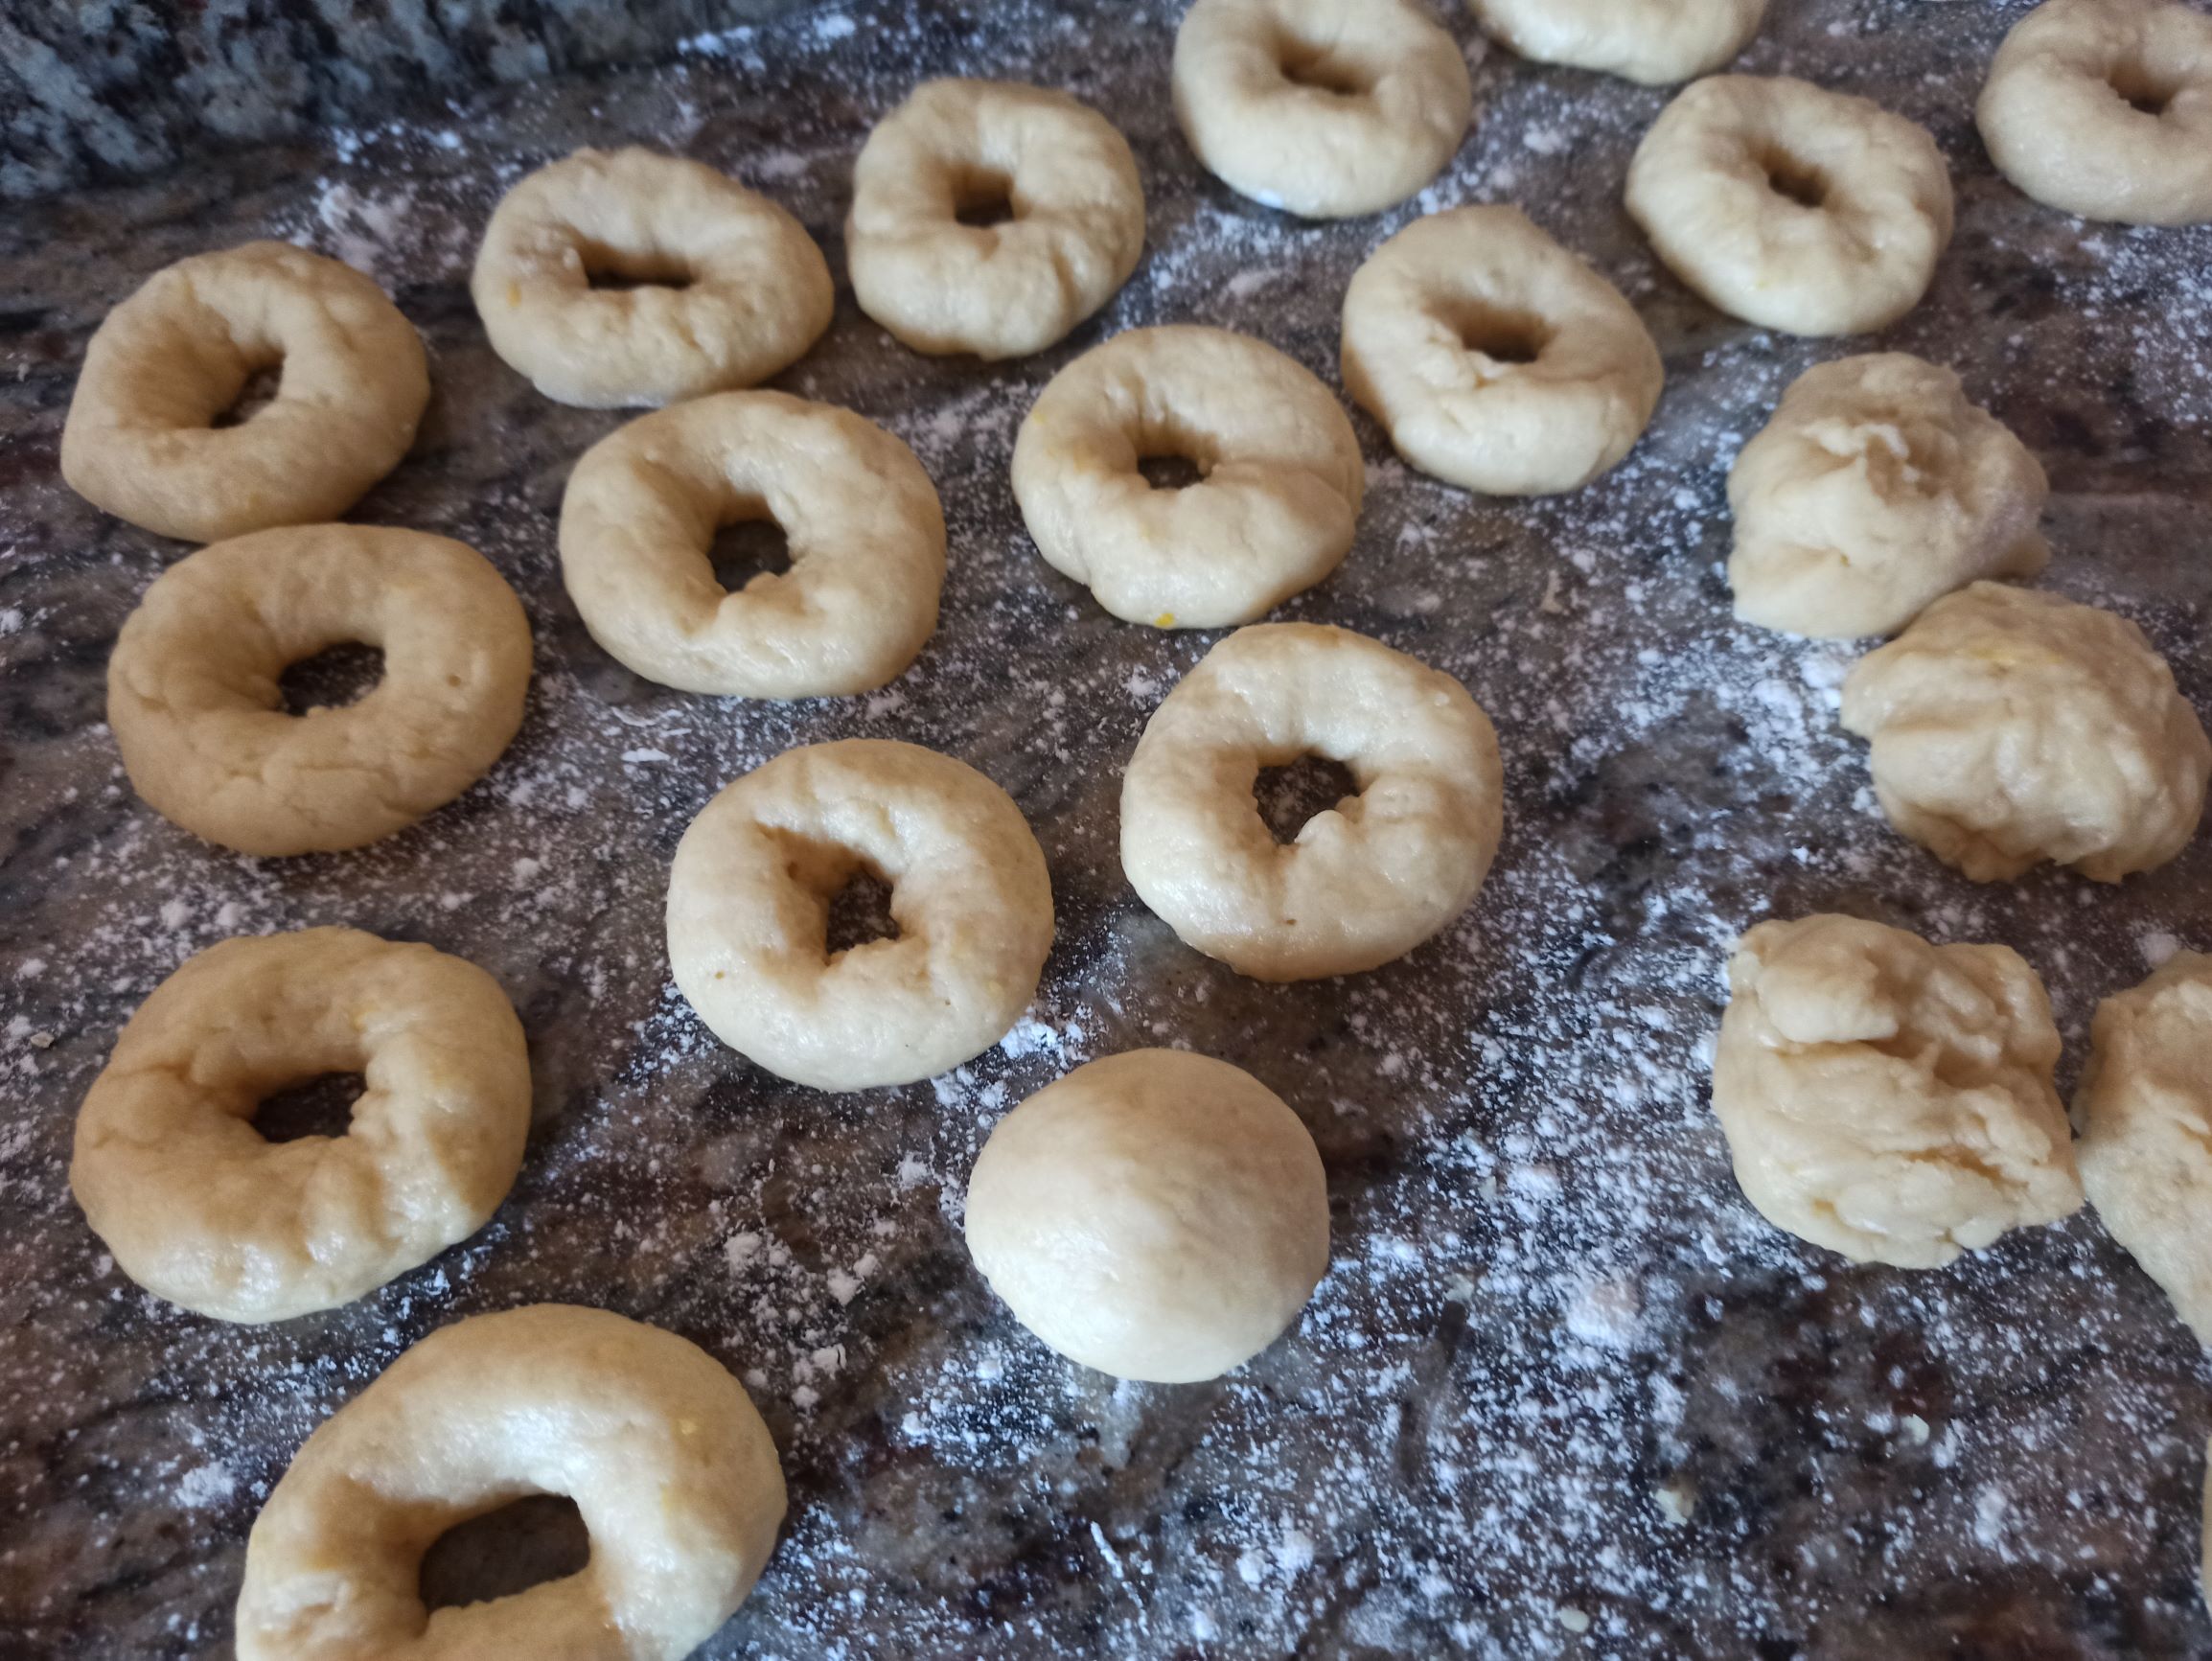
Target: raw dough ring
<point x="1001" y="290"/>
<point x="1323" y="109"/>
<point x="1575" y="379"/>
<point x="1657" y="42"/>
<point x="194" y="697"/>
<point x="866" y="531"/>
<point x="1364" y="882"/>
<point x="171" y="358"/>
<point x="749" y="911"/>
<point x="1273" y="513"/>
<point x="1724" y="183"/>
<point x="660" y="1449"/>
<point x="200" y="1210"/>
<point x="2066" y="110"/>
<point x="757" y="291"/>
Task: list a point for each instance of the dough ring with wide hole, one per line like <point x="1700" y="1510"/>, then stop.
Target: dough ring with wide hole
<point x="1791" y="207"/>
<point x="194" y="698"/>
<point x="2103" y="109"/>
<point x="748" y="914"/>
<point x="1323" y="109"/>
<point x="1062" y="171"/>
<point x="865" y="533"/>
<point x="724" y="288"/>
<point x="1495" y="358"/>
<point x="660" y="1449"/>
<point x="167" y="364"/>
<point x="1364" y="882"/>
<point x="1273" y="510"/>
<point x="199" y="1209"/>
<point x="1657" y="42"/>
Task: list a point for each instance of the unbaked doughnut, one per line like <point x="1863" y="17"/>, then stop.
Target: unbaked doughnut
<point x="1792" y="207"/>
<point x="749" y="913"/>
<point x="1004" y="289"/>
<point x="1273" y="512"/>
<point x="1657" y="42"/>
<point x="1496" y="359"/>
<point x="141" y="440"/>
<point x="660" y="1449"/>
<point x="865" y="533"/>
<point x="727" y="288"/>
<point x="1323" y="109"/>
<point x="199" y="1209"/>
<point x="194" y="697"/>
<point x="1364" y="882"/>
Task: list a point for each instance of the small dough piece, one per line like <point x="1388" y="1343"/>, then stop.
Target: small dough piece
<point x="660" y="1449"/>
<point x="999" y="290"/>
<point x="756" y="293"/>
<point x="748" y="914"/>
<point x="1323" y="109"/>
<point x="1495" y="358"/>
<point x="195" y="699"/>
<point x="200" y="1210"/>
<point x="1791" y="207"/>
<point x="1157" y="1215"/>
<point x="1875" y="489"/>
<point x="2010" y="727"/>
<point x="1274" y="510"/>
<point x="2103" y="109"/>
<point x="866" y="531"/>
<point x="1655" y="43"/>
<point x="1887" y="1098"/>
<point x="141" y="443"/>
<point x="1364" y="882"/>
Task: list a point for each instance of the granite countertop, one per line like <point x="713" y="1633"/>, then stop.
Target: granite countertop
<point x="1563" y="1392"/>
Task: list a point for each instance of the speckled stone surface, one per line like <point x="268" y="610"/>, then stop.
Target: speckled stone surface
<point x="1562" y="1392"/>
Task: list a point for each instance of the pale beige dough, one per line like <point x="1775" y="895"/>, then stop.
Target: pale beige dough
<point x="200" y="1210"/>
<point x="729" y="287"/>
<point x="1657" y="42"/>
<point x="1890" y="1099"/>
<point x="1006" y="290"/>
<point x="1876" y="489"/>
<point x="866" y="531"/>
<point x="1157" y="1215"/>
<point x="1273" y="513"/>
<point x="1495" y="358"/>
<point x="166" y="363"/>
<point x="1792" y="207"/>
<point x="2009" y="727"/>
<point x="660" y="1449"/>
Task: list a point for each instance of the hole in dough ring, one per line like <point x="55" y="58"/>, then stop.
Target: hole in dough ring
<point x="1721" y="185"/>
<point x="866" y="539"/>
<point x="1364" y="882"/>
<point x="1323" y="109"/>
<point x="193" y="694"/>
<point x="199" y="1209"/>
<point x="661" y="1449"/>
<point x="1416" y="320"/>
<point x="748" y="914"/>
<point x="1273" y="512"/>
<point x="1075" y="233"/>
<point x="164" y="366"/>
<point x="755" y="292"/>
<point x="1655" y="43"/>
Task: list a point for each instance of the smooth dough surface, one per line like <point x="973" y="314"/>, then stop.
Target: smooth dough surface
<point x="1657" y="42"/>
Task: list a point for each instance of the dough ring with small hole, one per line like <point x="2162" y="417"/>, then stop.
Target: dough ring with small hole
<point x="866" y="531"/>
<point x="1273" y="512"/>
<point x="1364" y="882"/>
<point x="1791" y="207"/>
<point x="1323" y="109"/>
<point x="728" y="288"/>
<point x="748" y="914"/>
<point x="200" y="1210"/>
<point x="1495" y="358"/>
<point x="195" y="699"/>
<point x="141" y="443"/>
<point x="661" y="1449"/>
<point x="1657" y="42"/>
<point x="1064" y="172"/>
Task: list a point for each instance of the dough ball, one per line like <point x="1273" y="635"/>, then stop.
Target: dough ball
<point x="1656" y="42"/>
